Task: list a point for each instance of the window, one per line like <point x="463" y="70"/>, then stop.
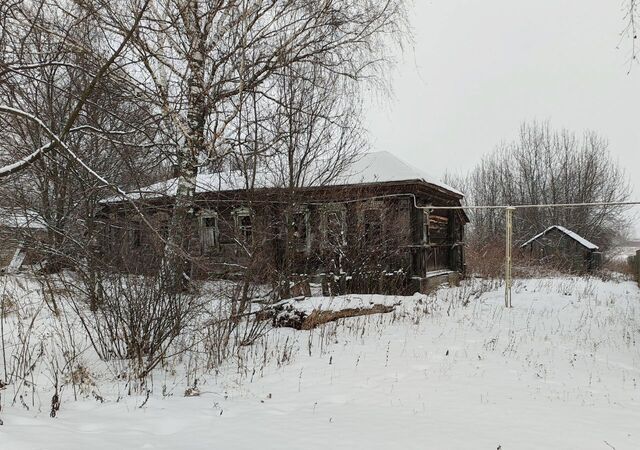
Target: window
<point x="209" y="236"/>
<point x="372" y="227"/>
<point x="245" y="227"/>
<point x="135" y="234"/>
<point x="114" y="235"/>
<point x="244" y="224"/>
<point x="438" y="229"/>
<point x="300" y="230"/>
<point x="335" y="228"/>
<point x="425" y="227"/>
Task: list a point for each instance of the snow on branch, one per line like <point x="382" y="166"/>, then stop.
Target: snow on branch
<point x="37" y="154"/>
<point x="57" y="142"/>
<point x="17" y="166"/>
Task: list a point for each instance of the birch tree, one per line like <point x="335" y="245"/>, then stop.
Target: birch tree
<point x="632" y="20"/>
<point x="199" y="57"/>
<point x="189" y="60"/>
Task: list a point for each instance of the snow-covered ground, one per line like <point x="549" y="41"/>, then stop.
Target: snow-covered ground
<point x="456" y="370"/>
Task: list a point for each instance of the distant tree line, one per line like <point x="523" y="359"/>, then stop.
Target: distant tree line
<point x="545" y="166"/>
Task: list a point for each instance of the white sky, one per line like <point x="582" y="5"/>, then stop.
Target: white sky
<point x="478" y="69"/>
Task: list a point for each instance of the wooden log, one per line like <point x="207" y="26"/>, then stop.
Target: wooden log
<point x="319" y="317"/>
<point x="299" y="320"/>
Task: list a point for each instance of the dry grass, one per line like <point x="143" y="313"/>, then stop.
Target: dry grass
<point x="623" y="267"/>
<point x="486" y="261"/>
<point x="7" y="305"/>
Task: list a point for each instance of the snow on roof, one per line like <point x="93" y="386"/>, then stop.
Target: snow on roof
<point x="575" y="236"/>
<point x="375" y="167"/>
<point x="385" y="167"/>
<point x="20" y="218"/>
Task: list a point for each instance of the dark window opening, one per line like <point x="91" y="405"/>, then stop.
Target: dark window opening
<point x="245" y="227"/>
<point x="335" y="231"/>
<point x="438" y="230"/>
<point x="135" y="235"/>
<point x="438" y="258"/>
<point x="115" y="236"/>
<point x="209" y="233"/>
<point x="373" y="227"/>
<point x="300" y="230"/>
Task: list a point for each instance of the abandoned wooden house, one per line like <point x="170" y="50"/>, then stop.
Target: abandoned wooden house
<point x="561" y="248"/>
<point x="373" y="220"/>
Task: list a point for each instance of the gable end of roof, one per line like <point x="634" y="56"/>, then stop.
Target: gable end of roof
<point x="575" y="236"/>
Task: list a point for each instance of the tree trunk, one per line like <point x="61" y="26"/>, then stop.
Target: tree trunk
<point x="176" y="263"/>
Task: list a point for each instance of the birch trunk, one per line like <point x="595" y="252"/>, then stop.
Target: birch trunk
<point x="176" y="264"/>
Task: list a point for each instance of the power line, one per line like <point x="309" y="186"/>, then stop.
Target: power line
<point x="531" y="206"/>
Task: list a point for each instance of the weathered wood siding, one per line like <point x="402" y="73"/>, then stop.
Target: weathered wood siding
<point x="396" y="242"/>
<point x="556" y="249"/>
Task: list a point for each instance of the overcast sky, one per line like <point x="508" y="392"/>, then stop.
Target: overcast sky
<point x="478" y="69"/>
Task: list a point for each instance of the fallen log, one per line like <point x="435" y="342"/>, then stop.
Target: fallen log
<point x="300" y="320"/>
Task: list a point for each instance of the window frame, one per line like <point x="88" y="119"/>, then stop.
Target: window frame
<point x="134" y="234"/>
<point x="334" y="209"/>
<point x="238" y="214"/>
<point x="380" y="241"/>
<point x="303" y="244"/>
<point x="203" y="216"/>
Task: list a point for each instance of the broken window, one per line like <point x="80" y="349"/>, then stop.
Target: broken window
<point x="300" y="230"/>
<point x="135" y="234"/>
<point x="373" y="227"/>
<point x="118" y="235"/>
<point x="244" y="224"/>
<point x="209" y="237"/>
<point x="115" y="236"/>
<point x="335" y="229"/>
<point x="438" y="229"/>
<point x="440" y="251"/>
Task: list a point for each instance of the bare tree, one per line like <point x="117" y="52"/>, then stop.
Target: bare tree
<point x="98" y="96"/>
<point x="549" y="167"/>
<point x="632" y="19"/>
<point x="200" y="57"/>
<point x="317" y="135"/>
<point x="35" y="28"/>
<point x="67" y="96"/>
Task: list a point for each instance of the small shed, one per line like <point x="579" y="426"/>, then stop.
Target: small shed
<point x="560" y="247"/>
<point x="19" y="229"/>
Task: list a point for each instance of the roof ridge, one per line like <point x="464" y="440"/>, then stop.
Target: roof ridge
<point x="572" y="234"/>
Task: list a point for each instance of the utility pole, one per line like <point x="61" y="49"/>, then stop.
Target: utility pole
<point x="507" y="257"/>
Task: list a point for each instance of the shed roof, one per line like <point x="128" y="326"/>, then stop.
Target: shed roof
<point x="575" y="236"/>
<point x="375" y="167"/>
<point x="21" y="218"/>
